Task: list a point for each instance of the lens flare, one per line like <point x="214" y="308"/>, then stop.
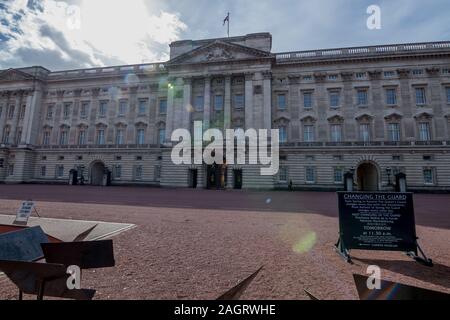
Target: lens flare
<point x="306" y="243"/>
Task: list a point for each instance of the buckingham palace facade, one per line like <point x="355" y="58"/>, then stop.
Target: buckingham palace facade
<point x="374" y="111"/>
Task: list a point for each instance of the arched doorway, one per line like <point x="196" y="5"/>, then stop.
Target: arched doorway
<point x="97" y="173"/>
<point x="367" y="175"/>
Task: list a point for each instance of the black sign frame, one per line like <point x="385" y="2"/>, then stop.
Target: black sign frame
<point x="378" y="221"/>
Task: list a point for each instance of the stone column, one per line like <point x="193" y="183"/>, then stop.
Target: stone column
<point x="15" y="120"/>
<point x="207" y="103"/>
<point x="267" y="108"/>
<point x="187" y="103"/>
<point x="227" y="106"/>
<point x="28" y="119"/>
<point x="248" y="100"/>
<point x="170" y="110"/>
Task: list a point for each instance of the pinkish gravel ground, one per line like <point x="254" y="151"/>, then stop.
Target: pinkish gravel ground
<point x="197" y="244"/>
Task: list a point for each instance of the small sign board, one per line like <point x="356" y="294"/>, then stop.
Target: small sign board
<point x="24" y="213"/>
<point x="376" y="221"/>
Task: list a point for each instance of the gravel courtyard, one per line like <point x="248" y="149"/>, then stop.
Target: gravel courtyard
<point x="197" y="244"/>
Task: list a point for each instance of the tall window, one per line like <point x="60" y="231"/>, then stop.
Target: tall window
<point x="310" y="175"/>
<point x="82" y="137"/>
<point x="49" y="112"/>
<point x="143" y="107"/>
<point x="84" y="110"/>
<point x="448" y="95"/>
<point x="43" y="171"/>
<point x="46" y="138"/>
<point x="428" y="176"/>
<point x="394" y="132"/>
<point x="140" y="136"/>
<point x="334" y="99"/>
<point x="336" y="133"/>
<point x="282" y="101"/>
<point x="308" y="133"/>
<point x="19" y="135"/>
<point x="424" y="131"/>
<point x="307" y="100"/>
<point x="239" y="101"/>
<point x="138" y="172"/>
<point x="283" y="174"/>
<point x="1" y="111"/>
<point x="66" y="111"/>
<point x="391" y="96"/>
<point x="421" y="96"/>
<point x="218" y="102"/>
<point x="362" y="99"/>
<point x="120" y="136"/>
<point x="338" y="175"/>
<point x="11" y="112"/>
<point x="162" y="106"/>
<point x="6" y="133"/>
<point x="117" y="171"/>
<point x="63" y="138"/>
<point x="60" y="171"/>
<point x="123" y="107"/>
<point x="22" y="112"/>
<point x="199" y="103"/>
<point x="103" y="108"/>
<point x="283" y="134"/>
<point x="101" y="136"/>
<point x="161" y="136"/>
<point x="364" y="132"/>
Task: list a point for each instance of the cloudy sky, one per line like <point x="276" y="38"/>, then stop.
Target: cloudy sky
<point x="69" y="34"/>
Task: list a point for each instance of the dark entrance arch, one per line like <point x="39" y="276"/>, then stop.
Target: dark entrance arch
<point x="216" y="176"/>
<point x="98" y="170"/>
<point x="368" y="177"/>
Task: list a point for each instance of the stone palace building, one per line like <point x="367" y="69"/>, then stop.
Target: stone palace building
<point x="374" y="111"/>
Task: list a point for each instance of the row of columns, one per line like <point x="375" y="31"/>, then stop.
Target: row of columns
<point x="257" y="117"/>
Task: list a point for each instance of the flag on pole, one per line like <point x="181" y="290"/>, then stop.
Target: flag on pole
<point x="227" y="20"/>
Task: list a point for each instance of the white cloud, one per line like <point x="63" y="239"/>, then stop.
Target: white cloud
<point x="97" y="33"/>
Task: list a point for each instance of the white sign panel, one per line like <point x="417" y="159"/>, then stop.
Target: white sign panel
<point x="24" y="212"/>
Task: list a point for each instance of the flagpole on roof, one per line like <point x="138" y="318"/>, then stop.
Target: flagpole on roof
<point x="228" y="24"/>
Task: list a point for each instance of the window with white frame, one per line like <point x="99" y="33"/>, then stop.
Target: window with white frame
<point x="11" y="112"/>
<point x="162" y="106"/>
<point x="142" y="107"/>
<point x="391" y="96"/>
<point x="50" y="112"/>
<point x="140" y="136"/>
<point x="59" y="171"/>
<point x="448" y="94"/>
<point x="43" y="171"/>
<point x="424" y="131"/>
<point x="199" y="103"/>
<point x="362" y="97"/>
<point x="281" y="101"/>
<point x="63" y="137"/>
<point x="364" y="132"/>
<point x="120" y="136"/>
<point x="46" y="137"/>
<point x="283" y="174"/>
<point x="310" y="174"/>
<point x="338" y="175"/>
<point x="389" y="74"/>
<point x="84" y="110"/>
<point x="101" y="136"/>
<point x="161" y="135"/>
<point x="123" y="105"/>
<point x="82" y="137"/>
<point x="239" y="101"/>
<point x="22" y="112"/>
<point x="19" y="135"/>
<point x="66" y="112"/>
<point x="6" y="134"/>
<point x="394" y="132"/>
<point x="336" y="132"/>
<point x="307" y="100"/>
<point x="283" y="134"/>
<point x="421" y="98"/>
<point x="428" y="176"/>
<point x="11" y="169"/>
<point x="308" y="133"/>
<point x="103" y="108"/>
<point x="138" y="172"/>
<point x="117" y="171"/>
<point x="218" y="102"/>
<point x="334" y="99"/>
